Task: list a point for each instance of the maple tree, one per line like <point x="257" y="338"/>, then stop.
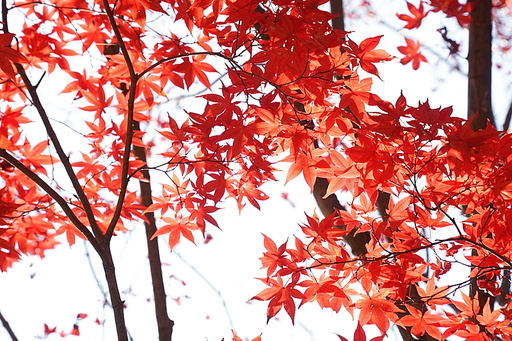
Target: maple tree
<point x="293" y="89"/>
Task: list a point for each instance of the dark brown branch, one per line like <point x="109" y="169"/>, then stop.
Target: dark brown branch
<point x="8" y="328"/>
<point x="480" y="65"/>
<point x="129" y="123"/>
<point x="52" y="193"/>
<point x="357" y="242"/>
<point x="60" y="151"/>
<point x="165" y="325"/>
<point x="337" y="8"/>
<point x="115" y="297"/>
<point x="108" y="264"/>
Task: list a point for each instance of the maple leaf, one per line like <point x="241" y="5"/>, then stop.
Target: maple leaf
<point x="368" y="55"/>
<point x="35" y="156"/>
<point x="360" y="335"/>
<point x="302" y="164"/>
<point x="176" y="229"/>
<point x="280" y="296"/>
<point x="274" y="256"/>
<point x="490" y="318"/>
<point x="432" y="294"/>
<point x="8" y="55"/>
<point x="422" y="323"/>
<point x="361" y="154"/>
<point x="324" y="229"/>
<point x="411" y="53"/>
<point x="327" y="291"/>
<point x="377" y="309"/>
<point x="195" y="69"/>
<point x="399" y="211"/>
<point x="414" y="20"/>
<point x="6" y="210"/>
<point x="48" y="330"/>
<point x="453" y="8"/>
<point x="237" y="338"/>
<point x="425" y="219"/>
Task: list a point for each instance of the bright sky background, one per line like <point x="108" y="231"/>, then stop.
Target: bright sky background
<point x="220" y="276"/>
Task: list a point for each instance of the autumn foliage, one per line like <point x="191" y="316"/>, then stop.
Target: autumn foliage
<point x="292" y="90"/>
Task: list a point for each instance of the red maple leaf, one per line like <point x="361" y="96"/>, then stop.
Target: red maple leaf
<point x="8" y="55"/>
<point x="280" y="296"/>
<point x="195" y="68"/>
<point x="411" y="53"/>
<point x="177" y="229"/>
<point x="414" y="20"/>
<point x="273" y="257"/>
<point x="48" y="330"/>
<point x="368" y="55"/>
<point x="360" y="335"/>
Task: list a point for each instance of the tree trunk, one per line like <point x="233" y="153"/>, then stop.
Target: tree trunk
<point x="480" y="65"/>
<point x="165" y="325"/>
<point x="115" y="297"/>
<point x="479" y="94"/>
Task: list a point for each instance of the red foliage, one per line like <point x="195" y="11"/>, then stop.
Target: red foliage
<point x="291" y="89"/>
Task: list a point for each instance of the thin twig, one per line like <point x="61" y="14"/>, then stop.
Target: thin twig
<point x="8" y="328"/>
<point x="210" y="285"/>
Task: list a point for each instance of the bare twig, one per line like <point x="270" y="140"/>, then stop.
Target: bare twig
<point x="8" y="328"/>
<point x="207" y="281"/>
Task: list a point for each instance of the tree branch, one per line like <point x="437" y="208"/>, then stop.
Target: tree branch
<point x="60" y="151"/>
<point x="8" y="328"/>
<point x="52" y="193"/>
<point x="129" y="123"/>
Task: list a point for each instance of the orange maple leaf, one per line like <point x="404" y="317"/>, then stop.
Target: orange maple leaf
<point x="422" y="322"/>
<point x="176" y="229"/>
<point x="237" y="338"/>
<point x="377" y="309"/>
